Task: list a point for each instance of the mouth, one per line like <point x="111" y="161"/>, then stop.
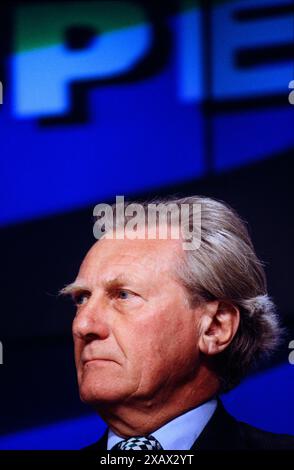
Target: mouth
<point x="90" y="361"/>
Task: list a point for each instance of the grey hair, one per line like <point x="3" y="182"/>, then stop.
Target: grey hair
<point x="226" y="268"/>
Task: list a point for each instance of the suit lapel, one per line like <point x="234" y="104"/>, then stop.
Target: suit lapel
<point x="100" y="445"/>
<point x="221" y="433"/>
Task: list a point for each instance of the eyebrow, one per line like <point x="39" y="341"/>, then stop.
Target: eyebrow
<point x="116" y="282"/>
<point x="109" y="285"/>
<point x="72" y="288"/>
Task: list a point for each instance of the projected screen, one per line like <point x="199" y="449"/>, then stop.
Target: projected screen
<point x="115" y="97"/>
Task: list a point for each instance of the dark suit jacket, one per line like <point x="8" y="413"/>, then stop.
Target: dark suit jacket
<point x="223" y="432"/>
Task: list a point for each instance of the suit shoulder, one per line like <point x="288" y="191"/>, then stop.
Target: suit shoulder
<point x="90" y="448"/>
<point x="256" y="438"/>
<point x="100" y="445"/>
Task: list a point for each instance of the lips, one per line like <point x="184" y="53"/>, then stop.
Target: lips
<point x="95" y="359"/>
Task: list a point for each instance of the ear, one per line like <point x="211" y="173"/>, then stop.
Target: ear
<point x="218" y="325"/>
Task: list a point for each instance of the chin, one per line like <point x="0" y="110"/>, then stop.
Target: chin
<point x="94" y="391"/>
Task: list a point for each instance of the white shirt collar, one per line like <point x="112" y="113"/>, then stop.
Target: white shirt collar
<point x="179" y="433"/>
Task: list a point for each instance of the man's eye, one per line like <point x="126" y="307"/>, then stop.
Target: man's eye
<point x="124" y="294"/>
<point x="80" y="299"/>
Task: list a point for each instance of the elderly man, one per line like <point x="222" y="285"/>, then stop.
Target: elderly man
<point x="160" y="331"/>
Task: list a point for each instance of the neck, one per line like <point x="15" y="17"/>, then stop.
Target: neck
<point x="142" y="417"/>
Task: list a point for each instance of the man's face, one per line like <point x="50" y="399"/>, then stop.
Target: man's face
<point x="134" y="333"/>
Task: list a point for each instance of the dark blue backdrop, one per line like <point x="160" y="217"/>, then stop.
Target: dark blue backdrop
<point x="129" y="98"/>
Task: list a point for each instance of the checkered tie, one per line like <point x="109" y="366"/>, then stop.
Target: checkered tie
<point x="138" y="443"/>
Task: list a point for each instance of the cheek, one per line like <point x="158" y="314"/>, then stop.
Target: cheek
<point x="164" y="339"/>
<point x="176" y="339"/>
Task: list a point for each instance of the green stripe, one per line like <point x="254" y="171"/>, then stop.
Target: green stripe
<point x="43" y="25"/>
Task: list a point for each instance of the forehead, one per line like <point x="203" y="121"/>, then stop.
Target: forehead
<point x="137" y="258"/>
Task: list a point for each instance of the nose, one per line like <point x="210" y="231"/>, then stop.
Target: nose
<point x="90" y="323"/>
